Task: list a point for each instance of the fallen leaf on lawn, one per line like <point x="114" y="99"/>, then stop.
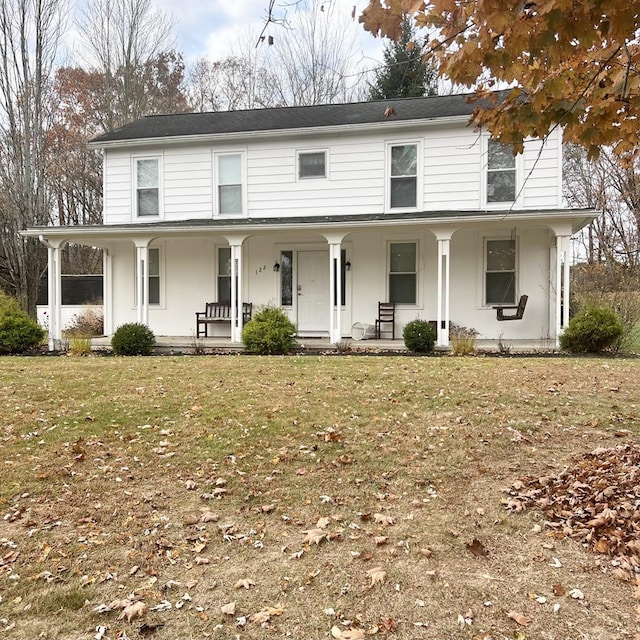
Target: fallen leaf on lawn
<point x="133" y="610"/>
<point x="199" y="546"/>
<point x="376" y="575"/>
<point x="165" y="605"/>
<point x="209" y="516"/>
<point x="228" y="609"/>
<point x="190" y="485"/>
<point x="576" y="594"/>
<point x="381" y="540"/>
<point x="314" y="536"/>
<point x="347" y="634"/>
<point x="477" y="548"/>
<point x="520" y="618"/>
<point x="558" y="590"/>
<point x="246" y="583"/>
<point x="202" y="560"/>
<point x="383" y="519"/>
<point x="323" y="523"/>
<point x="266" y="614"/>
<point x="426" y="552"/>
<point x="267" y="508"/>
<point x="555" y="563"/>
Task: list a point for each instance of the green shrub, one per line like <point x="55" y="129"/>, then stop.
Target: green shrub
<point x="419" y="336"/>
<point x="80" y="345"/>
<point x="18" y="332"/>
<point x="9" y="305"/>
<point x="270" y="332"/>
<point x="133" y="339"/>
<point x="593" y="329"/>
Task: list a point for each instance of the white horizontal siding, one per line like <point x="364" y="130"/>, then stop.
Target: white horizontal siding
<point x="453" y="165"/>
<point x="117" y="186"/>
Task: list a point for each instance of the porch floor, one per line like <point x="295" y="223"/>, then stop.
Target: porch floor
<point x="189" y="344"/>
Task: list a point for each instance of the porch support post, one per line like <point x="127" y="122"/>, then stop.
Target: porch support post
<point x="107" y="292"/>
<point x="563" y="261"/>
<point x="54" y="284"/>
<point x="444" y="288"/>
<point x="335" y="286"/>
<point x="237" y="295"/>
<point x="142" y="279"/>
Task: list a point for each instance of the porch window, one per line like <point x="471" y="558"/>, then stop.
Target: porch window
<point x="224" y="275"/>
<point x="229" y="183"/>
<point x="404" y="176"/>
<point x="402" y="272"/>
<point x="501" y="173"/>
<point x="286" y="278"/>
<point x="312" y="164"/>
<point x="147" y="187"/>
<point x="500" y="272"/>
<point x="154" y="276"/>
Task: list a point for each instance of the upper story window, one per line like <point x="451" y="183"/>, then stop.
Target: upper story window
<point x="501" y="172"/>
<point x="403" y="276"/>
<point x="229" y="183"/>
<point x="312" y="164"/>
<point x="500" y="272"/>
<point x="403" y="186"/>
<point x="147" y="187"/>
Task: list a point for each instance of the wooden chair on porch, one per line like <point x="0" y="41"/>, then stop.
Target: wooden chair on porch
<point x="386" y="316"/>
<point x="519" y="310"/>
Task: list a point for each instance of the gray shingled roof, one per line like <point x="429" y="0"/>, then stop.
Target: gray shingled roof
<point x="279" y="119"/>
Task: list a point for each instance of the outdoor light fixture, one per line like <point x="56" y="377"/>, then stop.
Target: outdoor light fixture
<point x="276" y="267"/>
<point x="347" y="266"/>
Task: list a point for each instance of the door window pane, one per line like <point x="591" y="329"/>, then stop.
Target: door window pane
<point x="286" y="278"/>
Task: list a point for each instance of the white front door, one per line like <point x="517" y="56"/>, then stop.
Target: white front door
<point x="313" y="292"/>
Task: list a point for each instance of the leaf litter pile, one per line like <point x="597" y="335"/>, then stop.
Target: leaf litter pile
<point x="595" y="502"/>
<point x="304" y="497"/>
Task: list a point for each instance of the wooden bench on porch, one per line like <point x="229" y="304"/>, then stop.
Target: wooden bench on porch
<point x="215" y="312"/>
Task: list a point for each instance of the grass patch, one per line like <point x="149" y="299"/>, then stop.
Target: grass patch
<point x="170" y="481"/>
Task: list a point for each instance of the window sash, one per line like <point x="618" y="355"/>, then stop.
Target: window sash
<point x="403" y="277"/>
<point x="230" y="183"/>
<point x="224" y="275"/>
<point x="501" y="172"/>
<point x="312" y="165"/>
<point x="404" y="176"/>
<point x="147" y="187"/>
<point x="153" y="275"/>
<point x="500" y="272"/>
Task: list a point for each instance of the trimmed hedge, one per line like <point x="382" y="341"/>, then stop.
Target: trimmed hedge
<point x="133" y="339"/>
<point x="419" y="336"/>
<point x="270" y="332"/>
<point x="592" y="330"/>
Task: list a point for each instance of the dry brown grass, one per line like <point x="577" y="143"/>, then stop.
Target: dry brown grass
<point x="108" y="465"/>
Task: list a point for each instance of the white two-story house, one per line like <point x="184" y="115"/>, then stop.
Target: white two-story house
<point x="326" y="211"/>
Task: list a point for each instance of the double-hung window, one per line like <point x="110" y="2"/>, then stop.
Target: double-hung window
<point x="501" y="173"/>
<point x="229" y="183"/>
<point x="403" y="279"/>
<point x="147" y="172"/>
<point x="312" y="164"/>
<point x="153" y="276"/>
<point x="403" y="187"/>
<point x="224" y="275"/>
<point x="500" y="272"/>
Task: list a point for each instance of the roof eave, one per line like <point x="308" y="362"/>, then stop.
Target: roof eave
<point x="276" y="133"/>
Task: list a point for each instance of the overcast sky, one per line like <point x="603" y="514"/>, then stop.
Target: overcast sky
<point x="209" y="27"/>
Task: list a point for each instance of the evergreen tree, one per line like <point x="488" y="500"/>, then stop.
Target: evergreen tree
<point x="405" y="73"/>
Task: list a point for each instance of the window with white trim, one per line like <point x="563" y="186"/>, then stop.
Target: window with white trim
<point x="501" y="172"/>
<point x="153" y="275"/>
<point x="229" y="183"/>
<point x="224" y="275"/>
<point x="286" y="278"/>
<point x="500" y="272"/>
<point x="147" y="173"/>
<point x="312" y="164"/>
<point x="403" y="275"/>
<point x="403" y="176"/>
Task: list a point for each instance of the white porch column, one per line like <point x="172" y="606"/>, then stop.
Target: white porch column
<point x="142" y="280"/>
<point x="444" y="287"/>
<point x="107" y="292"/>
<point x="562" y="284"/>
<point x="335" y="286"/>
<point x="54" y="288"/>
<point x="237" y="289"/>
